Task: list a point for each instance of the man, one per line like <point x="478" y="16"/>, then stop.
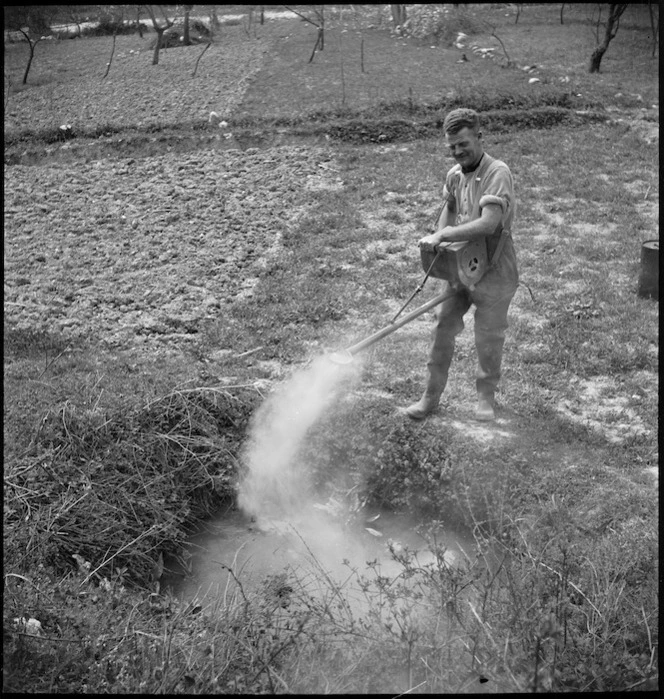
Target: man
<point x="479" y="203"/>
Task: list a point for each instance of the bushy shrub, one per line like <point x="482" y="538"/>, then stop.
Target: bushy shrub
<point x="400" y="467"/>
<point x="64" y="132"/>
<point x="197" y="26"/>
<point x="128" y="476"/>
<point x="439" y="22"/>
<point x="109" y="26"/>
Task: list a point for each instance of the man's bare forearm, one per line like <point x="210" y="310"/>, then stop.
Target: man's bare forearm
<point x="472" y="230"/>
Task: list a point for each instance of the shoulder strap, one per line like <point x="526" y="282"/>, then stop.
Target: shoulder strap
<point x="450" y="193"/>
<point x="499" y="248"/>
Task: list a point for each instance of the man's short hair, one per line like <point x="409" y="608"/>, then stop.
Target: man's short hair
<point x="459" y="119"/>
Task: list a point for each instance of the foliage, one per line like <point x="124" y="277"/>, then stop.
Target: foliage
<point x="110" y="26"/>
<point x="80" y="647"/>
<point x="398" y="466"/>
<point x="37" y="18"/>
<point x="122" y="486"/>
<point x="438" y="22"/>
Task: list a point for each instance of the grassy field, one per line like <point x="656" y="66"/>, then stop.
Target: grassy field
<point x="113" y="453"/>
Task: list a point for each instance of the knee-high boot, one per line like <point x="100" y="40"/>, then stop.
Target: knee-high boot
<point x="489" y="353"/>
<point x="449" y="323"/>
<point x="430" y="399"/>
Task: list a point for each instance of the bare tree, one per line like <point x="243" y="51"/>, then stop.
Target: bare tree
<point x="341" y="68"/>
<point x="32" y="22"/>
<point x="358" y="24"/>
<point x="399" y="15"/>
<point x="207" y="46"/>
<point x="248" y="21"/>
<point x="159" y="28"/>
<point x="214" y="20"/>
<point x="32" y="43"/>
<point x="74" y="15"/>
<point x="492" y="27"/>
<point x="139" y="26"/>
<point x="519" y="7"/>
<point x="612" y="24"/>
<point x="186" y="38"/>
<point x="37" y="18"/>
<point x="318" y="22"/>
<point x="319" y="13"/>
<point x="118" y="24"/>
<point x="598" y="22"/>
<point x="654" y="25"/>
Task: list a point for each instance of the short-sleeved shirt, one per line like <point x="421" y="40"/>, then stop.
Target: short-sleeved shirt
<point x="490" y="183"/>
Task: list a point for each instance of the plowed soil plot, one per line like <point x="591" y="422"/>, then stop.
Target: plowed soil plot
<point x="136" y="252"/>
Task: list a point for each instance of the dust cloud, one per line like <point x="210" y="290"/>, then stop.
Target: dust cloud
<point x="275" y="487"/>
<point x="277" y="493"/>
<point x="323" y="545"/>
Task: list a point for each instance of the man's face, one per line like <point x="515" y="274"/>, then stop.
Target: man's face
<point x="465" y="147"/>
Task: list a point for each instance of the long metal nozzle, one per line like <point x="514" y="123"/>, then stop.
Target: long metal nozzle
<point x="346" y="356"/>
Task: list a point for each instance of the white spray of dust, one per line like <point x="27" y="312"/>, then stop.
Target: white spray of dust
<point x="298" y="531"/>
<point x="275" y="488"/>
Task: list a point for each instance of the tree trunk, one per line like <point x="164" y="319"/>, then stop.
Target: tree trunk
<point x="186" y="39"/>
<point x="110" y="60"/>
<point x="562" y="10"/>
<point x="157" y="46"/>
<point x="398" y="14"/>
<point x="159" y="30"/>
<point x="612" y="24"/>
<point x="654" y="27"/>
<point x="32" y="45"/>
<point x="319" y="42"/>
<point x="596" y="58"/>
<point x="193" y="75"/>
<point x="321" y="19"/>
<point x="27" y="68"/>
<point x="214" y="20"/>
<point x="118" y="24"/>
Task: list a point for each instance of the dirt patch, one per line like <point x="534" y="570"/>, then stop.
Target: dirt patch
<point x="66" y="87"/>
<point x="601" y="405"/>
<point x="644" y="122"/>
<point x="138" y="255"/>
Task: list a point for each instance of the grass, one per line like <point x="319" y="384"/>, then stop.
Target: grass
<point x="431" y="74"/>
<point x="112" y="458"/>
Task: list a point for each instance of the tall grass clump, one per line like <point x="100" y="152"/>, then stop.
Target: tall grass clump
<point x="439" y="23"/>
<point x="111" y="26"/>
<point x="525" y="614"/>
<point x="360" y="445"/>
<point x="118" y="490"/>
<point x="96" y="509"/>
<point x="550" y="599"/>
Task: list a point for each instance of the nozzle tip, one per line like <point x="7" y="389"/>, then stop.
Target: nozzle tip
<point x="342" y="357"/>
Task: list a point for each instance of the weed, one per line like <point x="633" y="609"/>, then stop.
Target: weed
<point x="109" y="26"/>
<point x="122" y="487"/>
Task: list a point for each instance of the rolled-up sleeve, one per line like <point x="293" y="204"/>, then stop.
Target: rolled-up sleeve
<point x="498" y="189"/>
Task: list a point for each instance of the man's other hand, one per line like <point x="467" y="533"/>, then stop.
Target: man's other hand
<point x="430" y="242"/>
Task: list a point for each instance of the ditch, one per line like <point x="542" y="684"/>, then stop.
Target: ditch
<point x="315" y="550"/>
